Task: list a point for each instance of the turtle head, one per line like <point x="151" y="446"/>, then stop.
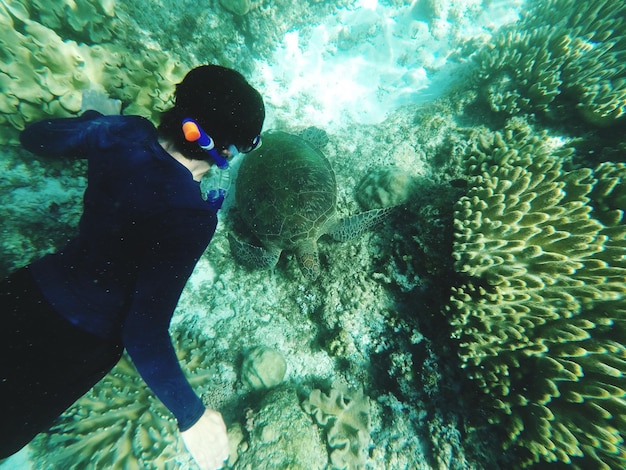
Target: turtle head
<point x="309" y="260"/>
<point x="309" y="265"/>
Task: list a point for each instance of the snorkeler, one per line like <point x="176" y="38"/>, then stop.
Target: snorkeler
<point x="67" y="317"/>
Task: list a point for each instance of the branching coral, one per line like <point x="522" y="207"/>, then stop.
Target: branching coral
<point x="563" y="54"/>
<point x="346" y="416"/>
<point x="609" y="194"/>
<point x="120" y="423"/>
<point x="541" y="320"/>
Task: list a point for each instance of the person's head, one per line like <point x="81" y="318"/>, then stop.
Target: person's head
<point x="222" y="102"/>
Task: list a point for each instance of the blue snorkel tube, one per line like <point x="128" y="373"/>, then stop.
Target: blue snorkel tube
<point x="194" y="133"/>
<point x="220" y="179"/>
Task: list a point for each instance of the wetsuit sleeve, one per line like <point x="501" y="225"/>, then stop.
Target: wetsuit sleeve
<point x="170" y="258"/>
<point x="56" y="137"/>
<point x="77" y="137"/>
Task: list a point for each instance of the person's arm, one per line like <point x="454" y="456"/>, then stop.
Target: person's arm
<point x="68" y="136"/>
<point x="170" y="258"/>
<point x="170" y="254"/>
<point x="59" y="137"/>
<point x="77" y="137"/>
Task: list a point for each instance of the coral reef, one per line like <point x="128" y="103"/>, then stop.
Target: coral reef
<point x="444" y="16"/>
<point x="540" y="319"/>
<point x="263" y="368"/>
<point x="237" y="7"/>
<point x="338" y="329"/>
<point x="233" y="33"/>
<point x="119" y="423"/>
<point x="80" y="20"/>
<point x="563" y="55"/>
<point x="346" y="416"/>
<point x="384" y="187"/>
<point x="43" y="74"/>
<point x="41" y="205"/>
<point x="281" y="435"/>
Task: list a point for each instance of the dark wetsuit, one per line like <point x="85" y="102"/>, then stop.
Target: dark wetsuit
<point x="144" y="227"/>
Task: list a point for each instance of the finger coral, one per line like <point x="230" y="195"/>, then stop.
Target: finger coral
<point x="563" y="54"/>
<point x="119" y="423"/>
<point x="346" y="416"/>
<point x="541" y="318"/>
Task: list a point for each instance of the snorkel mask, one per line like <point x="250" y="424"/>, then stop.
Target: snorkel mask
<point x="219" y="178"/>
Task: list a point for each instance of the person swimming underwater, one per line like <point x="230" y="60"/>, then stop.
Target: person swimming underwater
<point x="68" y="317"/>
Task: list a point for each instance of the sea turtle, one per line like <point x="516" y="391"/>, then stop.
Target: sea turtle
<point x="286" y="194"/>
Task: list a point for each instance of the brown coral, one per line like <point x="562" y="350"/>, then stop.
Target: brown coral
<point x="541" y="318"/>
<point x="43" y="75"/>
<point x="563" y="55"/>
<point x="120" y="423"/>
<point x="346" y="416"/>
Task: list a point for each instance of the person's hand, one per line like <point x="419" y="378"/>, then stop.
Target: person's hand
<point x="207" y="441"/>
<point x="100" y="101"/>
<point x="215" y="198"/>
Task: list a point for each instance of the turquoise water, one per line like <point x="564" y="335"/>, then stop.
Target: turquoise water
<point x="480" y="326"/>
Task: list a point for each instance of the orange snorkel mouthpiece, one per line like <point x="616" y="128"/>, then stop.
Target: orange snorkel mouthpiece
<point x="191" y="131"/>
<point x="194" y="133"/>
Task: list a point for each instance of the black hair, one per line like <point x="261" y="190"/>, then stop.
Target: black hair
<point x="223" y="103"/>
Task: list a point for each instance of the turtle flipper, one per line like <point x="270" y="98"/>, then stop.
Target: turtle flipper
<point x="252" y="256"/>
<point x="353" y="226"/>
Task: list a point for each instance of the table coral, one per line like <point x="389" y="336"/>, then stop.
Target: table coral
<point x="563" y="54"/>
<point x="346" y="416"/>
<point x="119" y="423"/>
<point x="541" y="316"/>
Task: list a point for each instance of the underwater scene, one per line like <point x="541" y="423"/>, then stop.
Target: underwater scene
<point x="475" y="316"/>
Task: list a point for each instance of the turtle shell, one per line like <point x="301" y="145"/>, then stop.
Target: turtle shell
<point x="286" y="191"/>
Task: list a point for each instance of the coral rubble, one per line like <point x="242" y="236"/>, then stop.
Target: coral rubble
<point x="281" y="435"/>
